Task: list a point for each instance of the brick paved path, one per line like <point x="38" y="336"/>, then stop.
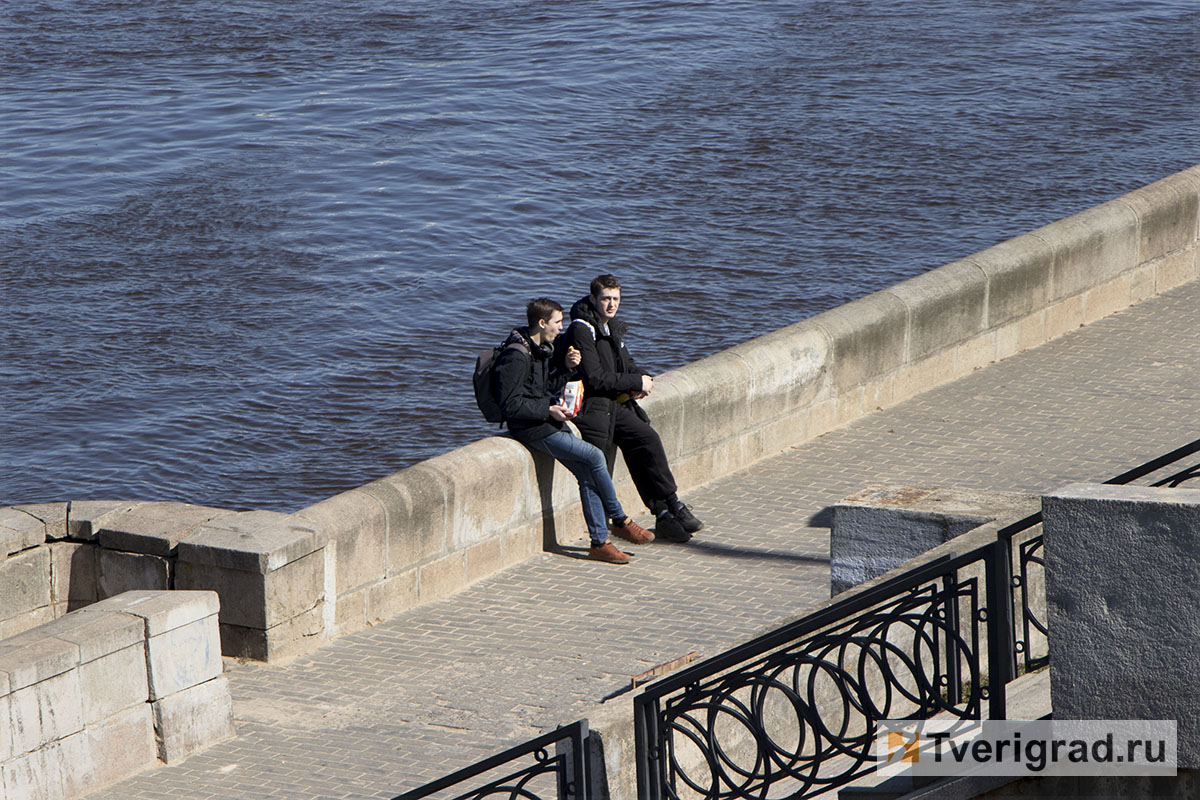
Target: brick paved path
<point x="383" y="710"/>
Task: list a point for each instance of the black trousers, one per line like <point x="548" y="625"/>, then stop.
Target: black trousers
<point x="640" y="445"/>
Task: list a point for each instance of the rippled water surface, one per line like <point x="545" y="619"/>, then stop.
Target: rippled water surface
<point x="249" y="249"/>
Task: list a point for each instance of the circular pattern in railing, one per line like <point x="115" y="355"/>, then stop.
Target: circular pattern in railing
<point x="804" y="716"/>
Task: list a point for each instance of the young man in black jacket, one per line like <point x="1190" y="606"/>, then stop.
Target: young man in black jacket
<point x="611" y="418"/>
<point x="528" y="392"/>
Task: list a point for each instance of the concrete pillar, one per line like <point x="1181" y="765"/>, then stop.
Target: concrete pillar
<point x="1123" y="591"/>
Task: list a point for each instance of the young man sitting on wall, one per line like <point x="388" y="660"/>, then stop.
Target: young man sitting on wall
<point x="611" y="417"/>
<point x="528" y="392"/>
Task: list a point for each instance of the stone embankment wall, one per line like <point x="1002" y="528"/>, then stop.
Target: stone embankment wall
<point x="103" y="693"/>
<point x="290" y="581"/>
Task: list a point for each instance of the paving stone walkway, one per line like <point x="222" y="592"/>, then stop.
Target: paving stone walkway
<point x="383" y="710"/>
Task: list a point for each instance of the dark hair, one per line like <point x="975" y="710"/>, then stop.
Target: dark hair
<point x="604" y="282"/>
<point x="542" y="308"/>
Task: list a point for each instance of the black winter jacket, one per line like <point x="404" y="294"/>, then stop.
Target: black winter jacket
<point x="606" y="368"/>
<point x="526" y="387"/>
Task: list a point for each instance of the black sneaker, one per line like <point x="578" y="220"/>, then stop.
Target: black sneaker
<point x="687" y="519"/>
<point x="669" y="528"/>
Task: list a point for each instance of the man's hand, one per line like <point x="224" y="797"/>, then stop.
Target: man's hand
<point x="559" y="413"/>
<point x="647" y="385"/>
<point x="573" y="357"/>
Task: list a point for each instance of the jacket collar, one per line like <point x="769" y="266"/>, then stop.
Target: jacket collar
<point x="585" y="311"/>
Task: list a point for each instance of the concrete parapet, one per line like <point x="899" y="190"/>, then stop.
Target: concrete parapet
<point x="868" y="338"/>
<point x="288" y="582"/>
<point x="103" y="693"/>
<point x="946" y="306"/>
<point x="1116" y="556"/>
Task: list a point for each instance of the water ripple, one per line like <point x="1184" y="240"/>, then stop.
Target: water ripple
<point x="250" y="249"/>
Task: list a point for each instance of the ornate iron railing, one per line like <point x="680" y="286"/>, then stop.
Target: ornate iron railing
<point x="553" y="765"/>
<point x="793" y="713"/>
<point x="1030" y="645"/>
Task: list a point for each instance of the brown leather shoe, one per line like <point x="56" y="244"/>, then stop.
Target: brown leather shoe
<point x="608" y="553"/>
<point x="632" y="532"/>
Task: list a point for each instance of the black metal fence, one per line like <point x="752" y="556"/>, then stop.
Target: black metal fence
<point x="793" y="712"/>
<point x="554" y="765"/>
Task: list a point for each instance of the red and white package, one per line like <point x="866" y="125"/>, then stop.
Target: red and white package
<point x="572" y="397"/>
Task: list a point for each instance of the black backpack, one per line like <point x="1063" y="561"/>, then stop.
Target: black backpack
<point x="485" y="380"/>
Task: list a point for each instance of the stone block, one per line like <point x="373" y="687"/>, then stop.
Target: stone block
<point x="1107" y="299"/>
<point x="52" y="515"/>
<point x="31" y="657"/>
<point x="86" y="517"/>
<point x="1063" y="317"/>
<point x="154" y="528"/>
<point x="925" y="374"/>
<point x="879" y="394"/>
<point x="255" y="599"/>
<point x="19" y="530"/>
<point x="74" y="574"/>
<point x="975" y="354"/>
<point x="946" y="306"/>
<point x="822" y="416"/>
<point x="358" y="522"/>
<point x="868" y="338"/>
<point x="392" y="596"/>
<point x="45" y="711"/>
<point x="880" y="528"/>
<point x="521" y="545"/>
<point x="1176" y="270"/>
<point x="1020" y="277"/>
<point x="715" y="396"/>
<point x="119" y="572"/>
<point x="494" y="489"/>
<point x="183" y="657"/>
<point x="484" y="559"/>
<point x="112" y="659"/>
<point x="667" y="410"/>
<point x="1091" y="247"/>
<point x="787" y="369"/>
<point x="29" y="620"/>
<point x="6" y="743"/>
<point x="192" y="720"/>
<point x="1120" y="562"/>
<point x="98" y="633"/>
<point x="113" y="750"/>
<point x="300" y="634"/>
<point x="114" y="683"/>
<point x="1167" y="213"/>
<point x="350" y="613"/>
<point x="417" y="515"/>
<point x="24" y="582"/>
<point x="34" y="776"/>
<point x="443" y="577"/>
<point x="852" y="404"/>
<point x="253" y="541"/>
<point x="161" y="611"/>
<point x="1141" y="283"/>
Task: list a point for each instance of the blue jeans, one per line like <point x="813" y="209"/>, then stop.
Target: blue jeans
<point x="588" y="465"/>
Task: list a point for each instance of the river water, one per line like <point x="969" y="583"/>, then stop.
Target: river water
<point x="250" y="249"/>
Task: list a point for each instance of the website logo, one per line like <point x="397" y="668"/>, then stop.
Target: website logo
<point x="1027" y="747"/>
